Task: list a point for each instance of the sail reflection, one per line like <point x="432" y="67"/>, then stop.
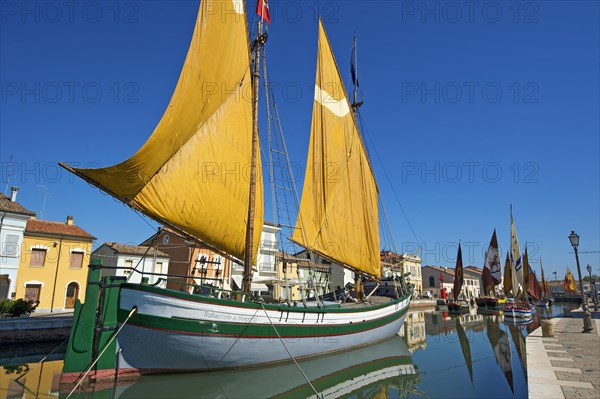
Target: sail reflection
<point x="501" y="347"/>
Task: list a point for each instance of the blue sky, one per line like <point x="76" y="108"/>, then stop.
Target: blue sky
<point x="469" y="106"/>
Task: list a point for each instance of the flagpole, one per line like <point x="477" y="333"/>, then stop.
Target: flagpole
<point x="257" y="45"/>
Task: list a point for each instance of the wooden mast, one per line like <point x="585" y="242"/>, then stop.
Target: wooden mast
<point x="257" y="45"/>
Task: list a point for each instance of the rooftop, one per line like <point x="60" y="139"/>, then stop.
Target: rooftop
<point x="56" y="229"/>
<point x="6" y="205"/>
<point x="135" y="249"/>
<point x="474" y="269"/>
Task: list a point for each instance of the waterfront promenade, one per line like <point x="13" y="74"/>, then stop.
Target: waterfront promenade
<point x="566" y="365"/>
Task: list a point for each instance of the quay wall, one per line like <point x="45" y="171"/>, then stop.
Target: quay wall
<point x="34" y="329"/>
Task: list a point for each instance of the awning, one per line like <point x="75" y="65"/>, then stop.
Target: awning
<point x="237" y="279"/>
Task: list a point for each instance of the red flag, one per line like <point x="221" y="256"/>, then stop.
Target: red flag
<point x="262" y="9"/>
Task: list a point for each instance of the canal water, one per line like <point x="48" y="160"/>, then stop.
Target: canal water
<point x="435" y="355"/>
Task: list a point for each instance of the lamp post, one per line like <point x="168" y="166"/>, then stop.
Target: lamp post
<point x="587" y="317"/>
<point x="593" y="288"/>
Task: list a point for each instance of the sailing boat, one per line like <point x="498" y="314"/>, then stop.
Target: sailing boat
<point x="520" y="307"/>
<point x="491" y="277"/>
<point x="143" y="329"/>
<point x="457" y="306"/>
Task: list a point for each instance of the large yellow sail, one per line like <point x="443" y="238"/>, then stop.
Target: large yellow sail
<point x="338" y="214"/>
<point x="193" y="172"/>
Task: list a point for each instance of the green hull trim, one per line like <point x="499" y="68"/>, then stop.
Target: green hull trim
<point x="249" y="330"/>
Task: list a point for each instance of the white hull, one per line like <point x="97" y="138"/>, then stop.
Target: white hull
<point x="169" y="347"/>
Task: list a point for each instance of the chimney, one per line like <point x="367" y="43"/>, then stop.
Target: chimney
<point x="13" y="196"/>
<point x="69" y="220"/>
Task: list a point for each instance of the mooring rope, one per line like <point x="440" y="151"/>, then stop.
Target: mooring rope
<point x="131" y="313"/>
<point x="289" y="353"/>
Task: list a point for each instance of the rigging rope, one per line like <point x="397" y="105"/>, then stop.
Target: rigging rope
<point x="289" y="353"/>
<point x="106" y="346"/>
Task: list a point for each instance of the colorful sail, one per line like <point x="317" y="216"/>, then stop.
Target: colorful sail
<point x="338" y="215"/>
<point x="190" y="173"/>
<point x="569" y="283"/>
<point x="458" y="274"/>
<point x="515" y="255"/>
<point x="492" y="268"/>
<point x="507" y="282"/>
<point x="545" y="287"/>
<point x="535" y="290"/>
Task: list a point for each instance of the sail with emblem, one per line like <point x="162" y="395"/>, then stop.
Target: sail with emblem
<point x="338" y="215"/>
<point x="187" y="175"/>
<point x="492" y="268"/>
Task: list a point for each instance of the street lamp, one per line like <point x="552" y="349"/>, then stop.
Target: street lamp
<point x="593" y="288"/>
<point x="587" y="317"/>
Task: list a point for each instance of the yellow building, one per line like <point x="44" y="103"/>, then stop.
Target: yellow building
<point x="53" y="265"/>
<point x="394" y="264"/>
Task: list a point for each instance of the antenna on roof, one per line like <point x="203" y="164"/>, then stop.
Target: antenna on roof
<point x="10" y="171"/>
<point x="42" y="189"/>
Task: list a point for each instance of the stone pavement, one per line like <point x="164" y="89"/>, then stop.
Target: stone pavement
<point x="566" y="365"/>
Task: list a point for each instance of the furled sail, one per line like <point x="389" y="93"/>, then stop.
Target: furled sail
<point x="515" y="255"/>
<point x="508" y="280"/>
<point x="192" y="172"/>
<point x="338" y="214"/>
<point x="545" y="288"/>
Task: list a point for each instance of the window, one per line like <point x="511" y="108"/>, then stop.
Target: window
<point x="129" y="266"/>
<point x="38" y="257"/>
<point x="4" y="285"/>
<point x="32" y="292"/>
<point x="158" y="268"/>
<point x="10" y="246"/>
<point x="267" y="267"/>
<point x="431" y="281"/>
<point x="76" y="260"/>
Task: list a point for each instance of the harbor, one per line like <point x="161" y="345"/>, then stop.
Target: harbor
<point x="434" y="355"/>
<point x="269" y="199"/>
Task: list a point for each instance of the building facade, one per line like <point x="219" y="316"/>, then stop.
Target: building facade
<point x="436" y="278"/>
<point x="394" y="264"/>
<point x="475" y="274"/>
<point x="53" y="264"/>
<point x="13" y="220"/>
<point x="134" y="261"/>
<point x="191" y="258"/>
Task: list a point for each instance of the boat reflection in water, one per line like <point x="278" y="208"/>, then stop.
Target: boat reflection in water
<point x="384" y="369"/>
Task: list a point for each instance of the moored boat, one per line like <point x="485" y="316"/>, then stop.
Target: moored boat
<point x="491" y="276"/>
<point x="517" y="270"/>
<point x="458" y="306"/>
<point x="128" y="329"/>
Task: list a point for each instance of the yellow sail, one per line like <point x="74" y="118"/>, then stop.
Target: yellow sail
<point x="193" y="172"/>
<point x="338" y="214"/>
